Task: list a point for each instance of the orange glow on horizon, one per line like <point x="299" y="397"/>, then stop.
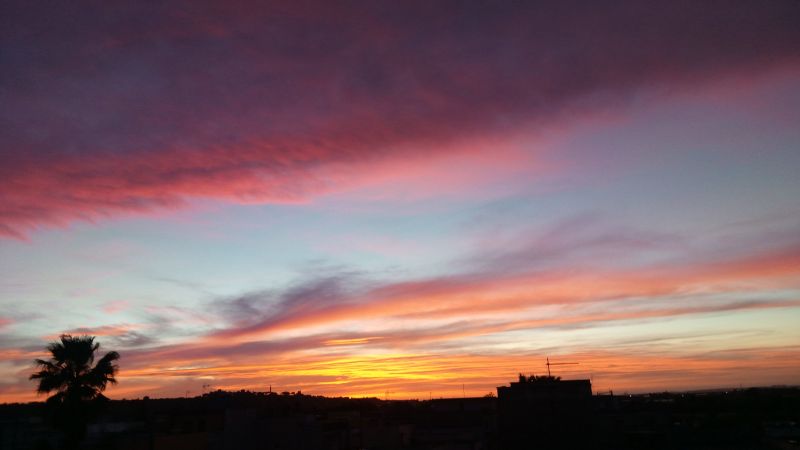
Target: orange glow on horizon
<point x="409" y="376"/>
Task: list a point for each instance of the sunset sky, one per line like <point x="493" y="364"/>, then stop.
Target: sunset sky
<point x="402" y="199"/>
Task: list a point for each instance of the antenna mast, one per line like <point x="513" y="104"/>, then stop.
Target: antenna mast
<point x="548" y="364"/>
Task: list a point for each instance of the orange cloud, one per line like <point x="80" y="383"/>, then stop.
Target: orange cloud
<point x="485" y="295"/>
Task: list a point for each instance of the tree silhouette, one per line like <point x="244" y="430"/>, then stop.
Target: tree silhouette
<point x="78" y="385"/>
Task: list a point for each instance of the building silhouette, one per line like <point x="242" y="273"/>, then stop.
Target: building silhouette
<point x="544" y="412"/>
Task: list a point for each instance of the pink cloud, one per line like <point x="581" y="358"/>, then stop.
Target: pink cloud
<point x="105" y="330"/>
<point x="266" y="104"/>
<point x="496" y="289"/>
<point x="116" y="306"/>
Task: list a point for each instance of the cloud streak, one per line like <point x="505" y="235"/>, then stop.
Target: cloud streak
<point x="567" y="274"/>
<point x="145" y="108"/>
<point x="399" y="121"/>
<point x="504" y="301"/>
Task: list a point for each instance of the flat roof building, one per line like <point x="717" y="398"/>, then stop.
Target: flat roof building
<point x="544" y="412"/>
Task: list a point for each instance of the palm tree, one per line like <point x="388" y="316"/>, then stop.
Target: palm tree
<point x="78" y="386"/>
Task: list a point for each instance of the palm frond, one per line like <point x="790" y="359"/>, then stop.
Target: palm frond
<point x="104" y="371"/>
<point x="70" y="372"/>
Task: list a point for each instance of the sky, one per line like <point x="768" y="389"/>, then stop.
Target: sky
<point x="402" y="199"/>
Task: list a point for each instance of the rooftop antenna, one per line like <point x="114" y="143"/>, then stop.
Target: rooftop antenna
<point x="556" y="364"/>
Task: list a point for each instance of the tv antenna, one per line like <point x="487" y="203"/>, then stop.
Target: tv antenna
<point x="548" y="364"/>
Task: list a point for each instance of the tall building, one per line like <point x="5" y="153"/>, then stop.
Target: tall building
<point x="544" y="412"/>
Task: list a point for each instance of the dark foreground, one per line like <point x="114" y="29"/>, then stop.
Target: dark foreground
<point x="764" y="418"/>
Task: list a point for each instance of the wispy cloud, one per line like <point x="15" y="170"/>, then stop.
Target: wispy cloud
<point x="313" y="319"/>
<point x="391" y="123"/>
<point x="122" y="336"/>
<point x="279" y="104"/>
<point x="567" y="272"/>
<point x="549" y="281"/>
<point x="116" y="306"/>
